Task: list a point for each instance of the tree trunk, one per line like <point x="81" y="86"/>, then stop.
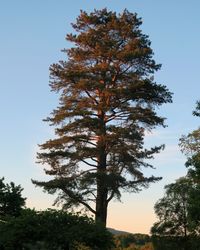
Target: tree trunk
<point x="101" y="200"/>
<point x="102" y="189"/>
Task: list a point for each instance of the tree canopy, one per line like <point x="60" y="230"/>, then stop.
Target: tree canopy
<point x="178" y="216"/>
<point x="172" y="210"/>
<point x="190" y="144"/>
<point x="11" y="200"/>
<point x="178" y="211"/>
<point x="108" y="99"/>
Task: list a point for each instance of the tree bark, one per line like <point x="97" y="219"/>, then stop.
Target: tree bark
<point x="101" y="202"/>
<point x="102" y="190"/>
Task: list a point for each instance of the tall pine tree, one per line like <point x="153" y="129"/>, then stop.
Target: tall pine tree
<point x="108" y="99"/>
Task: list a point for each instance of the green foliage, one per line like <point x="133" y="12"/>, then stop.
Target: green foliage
<point x="178" y="214"/>
<point x="179" y="211"/>
<point x="53" y="230"/>
<point x="108" y="98"/>
<point x="196" y="112"/>
<point x="190" y="145"/>
<point x="173" y="210"/>
<point x="11" y="200"/>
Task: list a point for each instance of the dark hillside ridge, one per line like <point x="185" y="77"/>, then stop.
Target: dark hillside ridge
<point x="117" y="232"/>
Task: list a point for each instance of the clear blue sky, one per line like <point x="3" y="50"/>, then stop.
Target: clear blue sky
<point x="31" y="36"/>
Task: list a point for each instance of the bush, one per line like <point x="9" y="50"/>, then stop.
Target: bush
<point x="53" y="230"/>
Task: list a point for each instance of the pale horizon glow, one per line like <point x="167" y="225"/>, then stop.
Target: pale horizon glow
<point x="32" y="36"/>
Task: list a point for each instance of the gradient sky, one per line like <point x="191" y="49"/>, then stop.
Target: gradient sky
<point x="31" y="36"/>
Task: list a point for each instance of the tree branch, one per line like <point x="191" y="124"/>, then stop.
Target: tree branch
<point x="91" y="97"/>
<point x="82" y="173"/>
<point x="74" y="197"/>
<point x="111" y="196"/>
<point x="89" y="142"/>
<point x="89" y="164"/>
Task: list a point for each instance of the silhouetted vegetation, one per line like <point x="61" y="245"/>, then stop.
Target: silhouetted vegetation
<point x="53" y="230"/>
<point x="176" y="243"/>
<point x="11" y="200"/>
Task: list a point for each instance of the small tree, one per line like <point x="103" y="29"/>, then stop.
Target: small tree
<point x="179" y="218"/>
<point x="172" y="210"/>
<point x="190" y="146"/>
<point x="11" y="200"/>
<point x="107" y="100"/>
<point x="193" y="165"/>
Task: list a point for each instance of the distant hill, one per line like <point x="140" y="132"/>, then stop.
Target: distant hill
<point x="117" y="232"/>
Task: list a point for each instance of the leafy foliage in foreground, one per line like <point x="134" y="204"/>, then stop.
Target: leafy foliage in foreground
<point x="175" y="243"/>
<point x="53" y="230"/>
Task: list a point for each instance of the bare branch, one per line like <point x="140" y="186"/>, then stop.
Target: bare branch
<point x="87" y="206"/>
<point x="83" y="172"/>
<point x="89" y="142"/>
<point x="74" y="197"/>
<point x="111" y="196"/>
<point x="93" y="159"/>
<point x="91" y="97"/>
<point x="89" y="164"/>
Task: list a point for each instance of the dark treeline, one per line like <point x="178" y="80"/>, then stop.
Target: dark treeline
<point x="176" y="243"/>
<point x="23" y="228"/>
